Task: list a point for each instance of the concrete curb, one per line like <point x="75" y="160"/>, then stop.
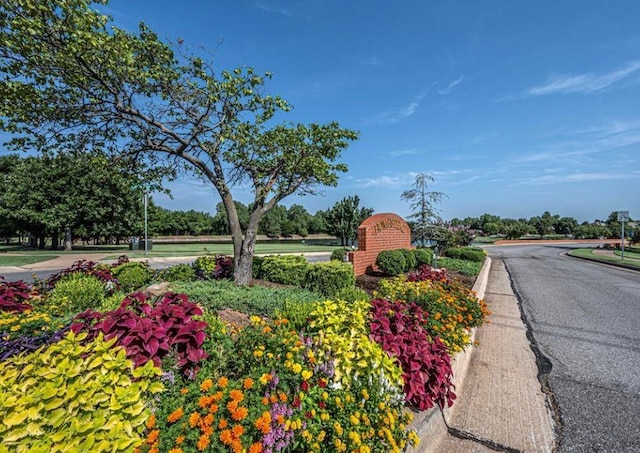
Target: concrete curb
<point x="429" y="424"/>
<point x="608" y="263"/>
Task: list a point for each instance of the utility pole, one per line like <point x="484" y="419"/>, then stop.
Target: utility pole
<point x="146" y="229"/>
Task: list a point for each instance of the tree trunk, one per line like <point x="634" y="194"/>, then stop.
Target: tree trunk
<point x="41" y="241"/>
<point x="55" y="240"/>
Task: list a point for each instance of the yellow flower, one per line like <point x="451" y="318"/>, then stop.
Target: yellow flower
<point x="306" y="374"/>
<point x="296" y="368"/>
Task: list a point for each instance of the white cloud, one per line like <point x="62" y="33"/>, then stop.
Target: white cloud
<point x="581" y="177"/>
<point x="396" y="115"/>
<point x="452" y="85"/>
<point x="373" y="61"/>
<point x="383" y="181"/>
<point x="583" y="83"/>
<point x="272" y="10"/>
<point x="403" y="152"/>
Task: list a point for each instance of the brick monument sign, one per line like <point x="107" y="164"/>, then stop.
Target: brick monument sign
<point x="378" y="232"/>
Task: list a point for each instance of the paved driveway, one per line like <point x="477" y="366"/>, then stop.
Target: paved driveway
<point x="584" y="317"/>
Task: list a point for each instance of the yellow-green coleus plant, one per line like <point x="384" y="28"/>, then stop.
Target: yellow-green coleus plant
<point x="343" y="332"/>
<point x="74" y="396"/>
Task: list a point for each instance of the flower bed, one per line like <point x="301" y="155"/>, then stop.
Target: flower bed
<point x="324" y="376"/>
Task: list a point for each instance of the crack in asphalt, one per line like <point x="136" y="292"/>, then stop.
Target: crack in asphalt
<point x="543" y="363"/>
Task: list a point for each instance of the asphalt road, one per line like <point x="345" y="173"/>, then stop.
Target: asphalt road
<point x="584" y="317"/>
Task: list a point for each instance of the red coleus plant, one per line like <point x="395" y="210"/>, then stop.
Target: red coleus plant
<point x="426" y="365"/>
<point x="13" y="296"/>
<point x="150" y="331"/>
<point x="426" y="272"/>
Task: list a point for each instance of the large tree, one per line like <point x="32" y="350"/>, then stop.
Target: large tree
<point x="71" y="79"/>
<point x="422" y="202"/>
<point x="85" y="193"/>
<point x="344" y="218"/>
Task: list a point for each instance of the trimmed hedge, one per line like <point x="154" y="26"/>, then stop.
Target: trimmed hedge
<point x="329" y="278"/>
<point x="284" y="269"/>
<point x="133" y="275"/>
<point x="474" y="254"/>
<point x="391" y="262"/>
<point x="423" y="256"/>
<point x="410" y="259"/>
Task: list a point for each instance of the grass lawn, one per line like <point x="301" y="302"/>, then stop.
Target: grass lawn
<point x="465" y="267"/>
<point x="588" y="254"/>
<point x="631" y="253"/>
<point x="20" y="260"/>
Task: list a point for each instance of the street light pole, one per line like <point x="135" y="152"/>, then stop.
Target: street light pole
<point x="146" y="230"/>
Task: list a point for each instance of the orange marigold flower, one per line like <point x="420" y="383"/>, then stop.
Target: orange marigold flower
<point x="208" y="420"/>
<point x="236" y="395"/>
<point x="273" y="399"/>
<point x="232" y="405"/>
<point x="203" y="442"/>
<point x="226" y="437"/>
<point x="223" y="423"/>
<point x="240" y="413"/>
<point x="194" y="418"/>
<point x="176" y="450"/>
<point x="179" y="440"/>
<point x="255" y="448"/>
<point x="184" y="391"/>
<point x="152" y="437"/>
<point x="213" y="408"/>
<point x="265" y="401"/>
<point x="283" y="397"/>
<point x="204" y="401"/>
<point x="151" y="421"/>
<point x="208" y="430"/>
<point x="217" y="396"/>
<point x="237" y="431"/>
<point x="206" y="385"/>
<point x="247" y="383"/>
<point x="223" y="382"/>
<point x="236" y="446"/>
<point x="175" y="415"/>
<point x="266" y="329"/>
<point x="280" y="419"/>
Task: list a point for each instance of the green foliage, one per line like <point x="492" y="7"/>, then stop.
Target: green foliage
<point x="342" y="328"/>
<point x="75" y="293"/>
<point x="422" y="203"/>
<point x="176" y="273"/>
<point x="410" y="259"/>
<point x="205" y="264"/>
<point x="258" y="300"/>
<point x="466" y="253"/>
<point x="296" y="313"/>
<point x="423" y="256"/>
<point x="257" y="267"/>
<point x="285" y="269"/>
<point x="352" y="294"/>
<point x="391" y="262"/>
<point x="112" y="302"/>
<point x="465" y="267"/>
<point x="330" y="277"/>
<point x="74" y="396"/>
<point x="344" y="218"/>
<point x="133" y="275"/>
<point x="338" y="254"/>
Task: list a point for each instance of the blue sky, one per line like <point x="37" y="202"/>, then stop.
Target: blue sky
<point x="514" y="107"/>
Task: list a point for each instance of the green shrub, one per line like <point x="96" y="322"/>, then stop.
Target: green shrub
<point x="205" y="264"/>
<point x="75" y="293"/>
<point x="285" y="269"/>
<point x="133" y="275"/>
<point x="465" y="267"/>
<point x="423" y="256"/>
<point x="475" y="254"/>
<point x="338" y="254"/>
<point x="391" y="262"/>
<point x="255" y="300"/>
<point x="330" y="277"/>
<point x="410" y="259"/>
<point x="75" y="396"/>
<point x="257" y="267"/>
<point x="176" y="273"/>
<point x="352" y="294"/>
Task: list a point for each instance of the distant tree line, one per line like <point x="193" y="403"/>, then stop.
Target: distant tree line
<point x="545" y="224"/>
<point x="47" y="199"/>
